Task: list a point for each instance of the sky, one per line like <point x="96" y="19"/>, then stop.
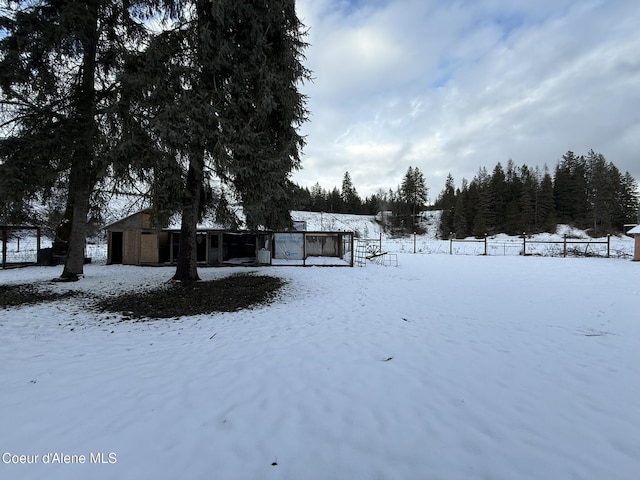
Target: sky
<point x="452" y="86"/>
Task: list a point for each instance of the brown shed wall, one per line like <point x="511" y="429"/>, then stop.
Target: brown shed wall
<point x="149" y="248"/>
<point x="131" y="247"/>
<point x="636" y="250"/>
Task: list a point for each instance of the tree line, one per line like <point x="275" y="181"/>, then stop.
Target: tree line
<point x="585" y="191"/>
<point x="400" y="206"/>
<point x="164" y="97"/>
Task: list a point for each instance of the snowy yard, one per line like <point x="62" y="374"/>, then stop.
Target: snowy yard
<point x="446" y="367"/>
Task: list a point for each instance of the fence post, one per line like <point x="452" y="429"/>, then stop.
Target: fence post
<point x="353" y="252"/>
<point x="485" y="244"/>
<point x="4" y="246"/>
<point x="304" y="249"/>
<point x="450" y="245"/>
<point x="414" y="242"/>
<point x="565" y="245"/>
<point x="524" y="244"/>
<point x="608" y="245"/>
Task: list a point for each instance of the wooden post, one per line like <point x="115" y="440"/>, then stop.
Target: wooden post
<point x="565" y="245"/>
<point x="485" y="244"/>
<point x="353" y="253"/>
<point x="609" y="246"/>
<point x="4" y="246"/>
<point x="304" y="249"/>
<point x="524" y="244"/>
<point x="414" y="242"/>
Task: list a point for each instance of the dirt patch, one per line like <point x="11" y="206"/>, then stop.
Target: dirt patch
<point x="176" y="299"/>
<point x="28" y="294"/>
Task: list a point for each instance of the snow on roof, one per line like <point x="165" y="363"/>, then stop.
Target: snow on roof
<point x="364" y="225"/>
<point x="635" y="230"/>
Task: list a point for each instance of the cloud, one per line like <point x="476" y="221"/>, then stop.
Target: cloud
<point x="452" y="86"/>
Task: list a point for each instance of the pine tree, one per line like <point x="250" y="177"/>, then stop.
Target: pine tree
<point x="334" y="201"/>
<point x="58" y="62"/>
<point x="225" y="215"/>
<point x="527" y="205"/>
<point x="570" y="190"/>
<point x="349" y="195"/>
<point x="460" y="219"/>
<point x="221" y="85"/>
<point x="413" y="191"/>
<point x="496" y="198"/>
<point x="264" y="107"/>
<point x="513" y="199"/>
<point x="628" y="205"/>
<point x="478" y="204"/>
<point x="318" y="198"/>
<point x="447" y="203"/>
<point x="546" y="218"/>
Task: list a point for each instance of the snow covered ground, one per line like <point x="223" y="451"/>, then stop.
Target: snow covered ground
<point x="445" y="367"/>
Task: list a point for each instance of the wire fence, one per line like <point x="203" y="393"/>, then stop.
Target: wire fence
<point x="20" y="245"/>
<point x="524" y="246"/>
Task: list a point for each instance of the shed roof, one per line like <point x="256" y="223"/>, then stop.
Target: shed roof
<point x="635" y="230"/>
<point x="128" y="217"/>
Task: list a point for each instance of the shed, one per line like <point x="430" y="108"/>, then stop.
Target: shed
<point x="635" y="231"/>
<point x="134" y="240"/>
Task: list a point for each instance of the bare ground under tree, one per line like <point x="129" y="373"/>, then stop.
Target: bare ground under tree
<point x="170" y="300"/>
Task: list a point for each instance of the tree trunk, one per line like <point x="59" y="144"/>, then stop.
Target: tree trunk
<point x="187" y="267"/>
<point x="78" y="205"/>
<point x="80" y="177"/>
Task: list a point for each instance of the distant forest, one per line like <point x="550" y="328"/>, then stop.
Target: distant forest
<point x="585" y="191"/>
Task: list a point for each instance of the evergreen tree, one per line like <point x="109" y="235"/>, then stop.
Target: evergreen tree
<point x="460" y="219"/>
<point x="570" y="190"/>
<point x="447" y="203"/>
<point x="334" y="201"/>
<point x="318" y="198"/>
<point x="513" y="191"/>
<point x="371" y="205"/>
<point x="528" y="202"/>
<point x="602" y="182"/>
<point x="264" y="107"/>
<point x="479" y="201"/>
<point x="222" y="87"/>
<point x="628" y="205"/>
<point x="58" y="62"/>
<point x="414" y="192"/>
<point x="546" y="218"/>
<point x="349" y="195"/>
<point x="225" y="215"/>
<point x="497" y="199"/>
<point x="301" y="198"/>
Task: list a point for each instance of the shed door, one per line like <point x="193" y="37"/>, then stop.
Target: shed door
<point x="131" y="248"/>
<point x="115" y="250"/>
